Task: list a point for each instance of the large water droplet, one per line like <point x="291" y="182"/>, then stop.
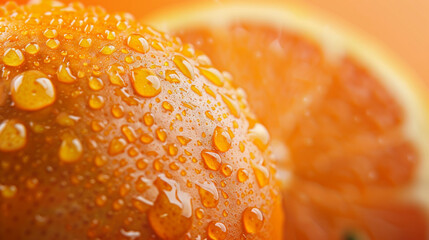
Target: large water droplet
<point x="171" y="215"/>
<point x="32" y="90"/>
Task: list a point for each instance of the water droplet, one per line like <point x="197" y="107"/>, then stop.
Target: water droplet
<point x="110" y="35"/>
<point x="226" y="170"/>
<point x="129" y="133"/>
<point x="145" y="82"/>
<point x="167" y="106"/>
<point x="171" y="215"/>
<point x="232" y="105"/>
<point x="100" y="161"/>
<point x="117" y="111"/>
<point x="64" y="74"/>
<point x="184" y="66"/>
<point x="107" y="50"/>
<point x="260" y="136"/>
<point x="115" y="77"/>
<point x="146" y="138"/>
<point x="141" y="164"/>
<point x="52" y="43"/>
<point x="32" y="90"/>
<point x="212" y="160"/>
<point x="85" y="42"/>
<point x="70" y="149"/>
<point x="8" y="191"/>
<point x="216" y="231"/>
<point x="96" y="84"/>
<point x="242" y="175"/>
<point x="124" y="189"/>
<point x="183" y="140"/>
<point x="221" y="139"/>
<point x="13" y="57"/>
<point x="253" y="220"/>
<point x="161" y="134"/>
<point x="208" y="194"/>
<point x="96" y="102"/>
<point x="65" y="120"/>
<point x="117" y="146"/>
<point x="32" y="183"/>
<point x="199" y="212"/>
<point x="50" y="33"/>
<point x="138" y="43"/>
<point x="100" y="200"/>
<point x="172" y="149"/>
<point x="32" y="48"/>
<point x="213" y="75"/>
<point x="171" y="76"/>
<point x="118" y="204"/>
<point x="148" y="119"/>
<point x="262" y="175"/>
<point x="13" y="135"/>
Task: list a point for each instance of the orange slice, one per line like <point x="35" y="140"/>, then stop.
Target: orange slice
<point x="349" y="122"/>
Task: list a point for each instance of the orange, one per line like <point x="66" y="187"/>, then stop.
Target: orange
<point x="349" y="123"/>
<point x="110" y="129"/>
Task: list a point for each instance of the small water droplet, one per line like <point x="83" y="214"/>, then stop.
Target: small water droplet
<point x="64" y="74"/>
<point x="107" y="50"/>
<point x="50" y="33"/>
<point x="226" y="170"/>
<point x="232" y="105"/>
<point x="145" y="82"/>
<point x="208" y="194"/>
<point x="242" y="175"/>
<point x="138" y="43"/>
<point x="262" y="175"/>
<point x="70" y="149"/>
<point x="100" y="200"/>
<point x="221" y="139"/>
<point x="8" y="191"/>
<point x="211" y="160"/>
<point x="96" y="102"/>
<point x="183" y="140"/>
<point x="129" y="133"/>
<point x="32" y="90"/>
<point x="161" y="134"/>
<point x="96" y="84"/>
<point x="32" y="48"/>
<point x="167" y="106"/>
<point x="148" y="119"/>
<point x="199" y="212"/>
<point x="13" y="135"/>
<point x="52" y="43"/>
<point x="213" y="75"/>
<point x="117" y="146"/>
<point x="184" y="66"/>
<point x="253" y="220"/>
<point x="13" y="57"/>
<point x="216" y="231"/>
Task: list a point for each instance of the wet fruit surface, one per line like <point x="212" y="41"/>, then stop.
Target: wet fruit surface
<point x="112" y="130"/>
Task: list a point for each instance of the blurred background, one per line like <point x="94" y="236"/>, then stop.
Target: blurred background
<point x="402" y="26"/>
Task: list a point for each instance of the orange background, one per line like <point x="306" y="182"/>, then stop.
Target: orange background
<point x="402" y="26"/>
